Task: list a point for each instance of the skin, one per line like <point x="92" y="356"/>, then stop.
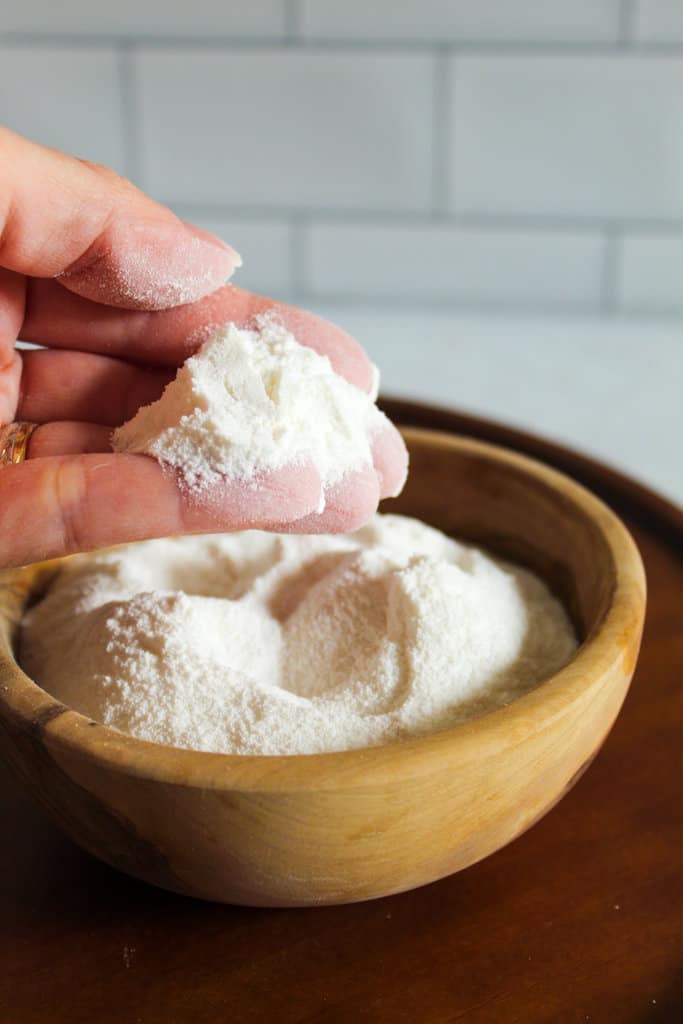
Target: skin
<point x="120" y="292"/>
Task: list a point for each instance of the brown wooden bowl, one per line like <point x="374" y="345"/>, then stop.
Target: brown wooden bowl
<point x="335" y="828"/>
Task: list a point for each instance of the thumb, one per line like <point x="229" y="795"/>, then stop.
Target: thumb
<point x="98" y="235"/>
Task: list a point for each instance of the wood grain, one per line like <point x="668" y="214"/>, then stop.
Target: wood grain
<point x="581" y="918"/>
<point x="298" y="831"/>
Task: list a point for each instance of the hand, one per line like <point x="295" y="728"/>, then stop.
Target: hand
<point x="116" y="287"/>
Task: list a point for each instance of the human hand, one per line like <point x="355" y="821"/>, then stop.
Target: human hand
<point x="116" y="287"/>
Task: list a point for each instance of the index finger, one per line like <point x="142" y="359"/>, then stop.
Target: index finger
<point x="102" y="237"/>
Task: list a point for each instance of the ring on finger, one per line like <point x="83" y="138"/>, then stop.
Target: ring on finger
<point x="14" y="439"/>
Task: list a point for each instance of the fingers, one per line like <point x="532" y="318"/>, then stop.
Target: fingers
<point x="103" y="239"/>
<point x="142" y="263"/>
<point x="12" y="296"/>
<point x="61" y="320"/>
<point x="63" y="504"/>
<point x="74" y="495"/>
<point x="390" y="457"/>
<point x="348" y="505"/>
<point x="80" y="386"/>
<point x="59" y="385"/>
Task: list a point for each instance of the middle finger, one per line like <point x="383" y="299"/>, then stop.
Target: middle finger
<point x="60" y="319"/>
<point x="82" y="386"/>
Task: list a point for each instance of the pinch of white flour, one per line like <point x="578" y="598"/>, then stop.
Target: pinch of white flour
<point x="256" y="643"/>
<point x="254" y="400"/>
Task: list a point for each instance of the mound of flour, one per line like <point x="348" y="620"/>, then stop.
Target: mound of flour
<point x="256" y="643"/>
<point x="254" y="400"/>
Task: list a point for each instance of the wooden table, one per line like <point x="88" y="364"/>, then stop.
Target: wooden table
<point x="579" y="920"/>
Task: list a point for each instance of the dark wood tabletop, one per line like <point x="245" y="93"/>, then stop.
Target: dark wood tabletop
<point x="579" y="920"/>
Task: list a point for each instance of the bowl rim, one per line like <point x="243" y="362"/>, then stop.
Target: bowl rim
<point x="616" y="635"/>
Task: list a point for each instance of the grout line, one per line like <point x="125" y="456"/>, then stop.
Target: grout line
<point x="401" y="218"/>
<point x="441" y="128"/>
<point x="61" y="41"/>
<point x="292" y="39"/>
<point x="513" y="48"/>
<point x="68" y="40"/>
<point x="442" y="305"/>
<point x="128" y="92"/>
<point x="610" y="271"/>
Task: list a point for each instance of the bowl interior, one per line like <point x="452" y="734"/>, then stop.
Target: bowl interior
<point x="520" y="511"/>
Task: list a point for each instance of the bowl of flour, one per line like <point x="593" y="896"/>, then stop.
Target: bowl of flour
<point x="281" y="721"/>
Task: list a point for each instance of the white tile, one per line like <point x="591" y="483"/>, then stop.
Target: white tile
<point x="471" y="266"/>
<point x="67" y="98"/>
<point x="610" y="388"/>
<point x="265" y="248"/>
<point x="650" y="274"/>
<point x="658" y="21"/>
<point x="275" y="128"/>
<point x="228" y="18"/>
<point x="566" y="21"/>
<point x="592" y="136"/>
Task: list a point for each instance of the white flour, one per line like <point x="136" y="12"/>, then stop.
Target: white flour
<point x="260" y="643"/>
<point x="251" y="401"/>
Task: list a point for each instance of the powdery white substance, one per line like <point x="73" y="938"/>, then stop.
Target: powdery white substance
<point x="141" y="278"/>
<point x="251" y="401"/>
<point x="256" y="643"/>
<point x="136" y="274"/>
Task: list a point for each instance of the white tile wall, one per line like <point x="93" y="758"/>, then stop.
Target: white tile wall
<point x="650" y="274"/>
<point x="568" y="21"/>
<point x="227" y="18"/>
<point x="68" y="98"/>
<point x="568" y="136"/>
<point x="487" y="153"/>
<point x="278" y="128"/>
<point x="265" y="247"/>
<point x="658" y="21"/>
<point x="462" y="265"/>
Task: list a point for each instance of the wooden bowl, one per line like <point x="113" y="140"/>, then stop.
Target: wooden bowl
<point x="335" y="828"/>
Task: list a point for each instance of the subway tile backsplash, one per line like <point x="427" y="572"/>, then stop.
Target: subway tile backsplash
<point x="285" y="128"/>
<point x="469" y="154"/>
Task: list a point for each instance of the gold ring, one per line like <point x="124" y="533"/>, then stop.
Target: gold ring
<point x="14" y="439"/>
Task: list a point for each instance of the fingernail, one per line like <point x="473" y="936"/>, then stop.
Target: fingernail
<point x="151" y="264"/>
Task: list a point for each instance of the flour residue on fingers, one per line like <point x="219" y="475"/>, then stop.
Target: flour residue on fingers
<point x="253" y="400"/>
